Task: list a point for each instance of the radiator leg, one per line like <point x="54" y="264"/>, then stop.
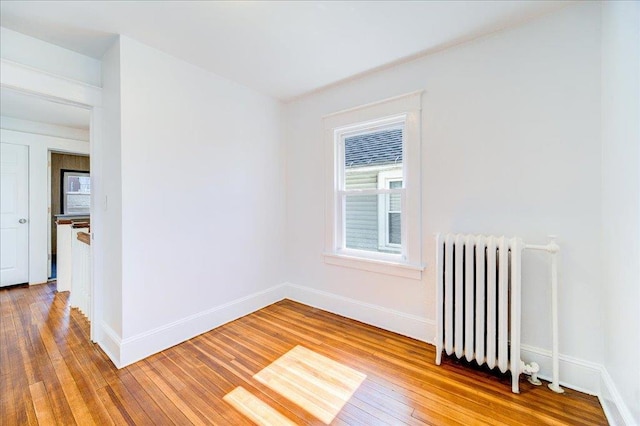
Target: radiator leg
<point x="438" y="355"/>
<point x="515" y="383"/>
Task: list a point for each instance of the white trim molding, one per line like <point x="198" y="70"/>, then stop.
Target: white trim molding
<point x="413" y="326"/>
<point x="110" y="342"/>
<point x="616" y="410"/>
<point x="372" y="110"/>
<point x="575" y="373"/>
<point x="398" y="269"/>
<point x="142" y="345"/>
<point x="21" y="77"/>
<point x="60" y="144"/>
<point x="44" y="129"/>
<point x="584" y="376"/>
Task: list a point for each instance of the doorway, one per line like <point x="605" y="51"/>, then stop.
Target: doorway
<point x="63" y="167"/>
<point x="84" y="97"/>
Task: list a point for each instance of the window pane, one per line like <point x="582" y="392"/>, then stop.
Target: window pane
<point x="395" y="202"/>
<point x="73" y="184"/>
<point x="362" y="227"/>
<point x="361" y="179"/>
<point x="85" y="184"/>
<point x="367" y="154"/>
<point x="78" y="184"/>
<point x="78" y="203"/>
<point x="394" y="228"/>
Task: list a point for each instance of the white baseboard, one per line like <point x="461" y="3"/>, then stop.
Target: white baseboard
<point x="617" y="412"/>
<point x="137" y="347"/>
<point x="399" y="322"/>
<point x="110" y="343"/>
<point x="584" y="376"/>
<point x="575" y="373"/>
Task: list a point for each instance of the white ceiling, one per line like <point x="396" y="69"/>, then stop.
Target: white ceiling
<point x="28" y="107"/>
<point x="284" y="49"/>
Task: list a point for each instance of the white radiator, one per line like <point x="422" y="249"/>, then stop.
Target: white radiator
<point x="478" y="307"/>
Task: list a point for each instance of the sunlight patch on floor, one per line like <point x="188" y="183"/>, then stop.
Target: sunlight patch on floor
<point x="319" y="385"/>
<point x="255" y="409"/>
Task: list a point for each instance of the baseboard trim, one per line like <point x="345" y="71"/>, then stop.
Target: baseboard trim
<point x="140" y="346"/>
<point x="399" y="322"/>
<point x="109" y="342"/>
<point x="575" y="373"/>
<point x="617" y="412"/>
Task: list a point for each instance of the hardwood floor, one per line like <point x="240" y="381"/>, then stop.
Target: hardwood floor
<point x="336" y="369"/>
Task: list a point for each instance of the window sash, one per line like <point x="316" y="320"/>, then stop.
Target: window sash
<point x="387" y="212"/>
<point x="389" y="123"/>
<point x="341" y="224"/>
<point x="341" y="193"/>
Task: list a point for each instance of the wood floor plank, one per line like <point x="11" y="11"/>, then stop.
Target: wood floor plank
<point x="202" y="388"/>
<point x="294" y="364"/>
<point x="255" y="409"/>
<point x="46" y="371"/>
<point x="117" y="395"/>
<point x="158" y="397"/>
<point x="7" y="397"/>
<point x="80" y="411"/>
<point x="159" y="379"/>
<point x="41" y="404"/>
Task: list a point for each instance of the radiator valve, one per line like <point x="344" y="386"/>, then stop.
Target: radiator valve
<point x="532" y="371"/>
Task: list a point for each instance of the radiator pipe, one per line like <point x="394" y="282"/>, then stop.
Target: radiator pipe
<point x="532" y="371"/>
<point x="553" y="249"/>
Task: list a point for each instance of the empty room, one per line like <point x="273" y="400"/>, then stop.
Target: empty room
<point x="320" y="212"/>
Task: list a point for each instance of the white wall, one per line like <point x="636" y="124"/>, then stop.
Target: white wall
<point x="39" y="189"/>
<point x="511" y="145"/>
<point x="17" y="47"/>
<point x="203" y="199"/>
<point x="621" y="203"/>
<point x="107" y="207"/>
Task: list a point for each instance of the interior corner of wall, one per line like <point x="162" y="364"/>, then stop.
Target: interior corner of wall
<point x="615" y="409"/>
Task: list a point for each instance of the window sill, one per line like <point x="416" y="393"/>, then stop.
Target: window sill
<point x="397" y="269"/>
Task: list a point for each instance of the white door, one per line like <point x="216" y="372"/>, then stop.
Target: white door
<point x="14" y="209"/>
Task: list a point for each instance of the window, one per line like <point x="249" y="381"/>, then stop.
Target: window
<point x="76" y="192"/>
<point x="373" y="192"/>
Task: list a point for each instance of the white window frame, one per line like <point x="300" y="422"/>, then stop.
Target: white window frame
<point x="384" y="180"/>
<point x="404" y="109"/>
<point x="65" y="175"/>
